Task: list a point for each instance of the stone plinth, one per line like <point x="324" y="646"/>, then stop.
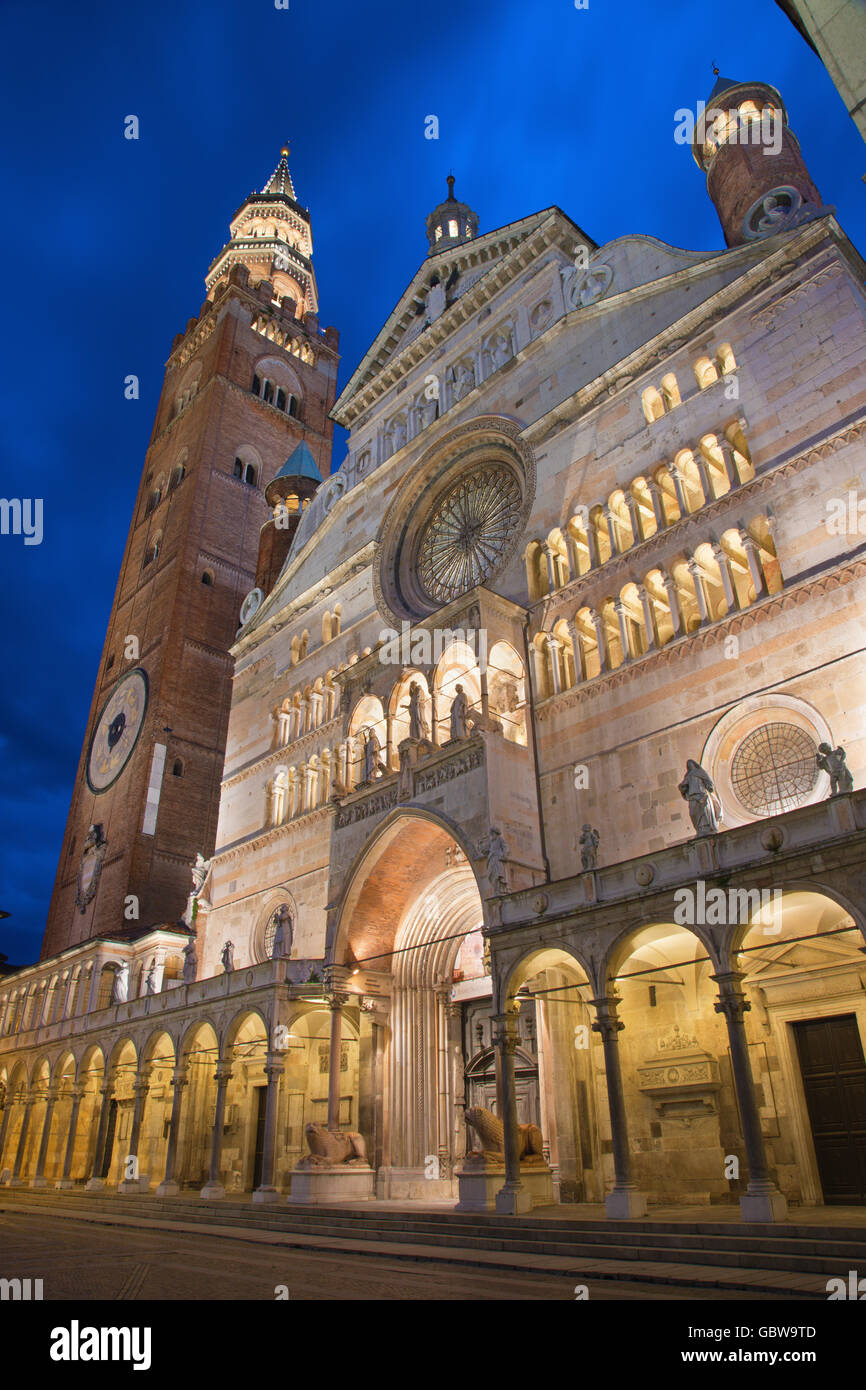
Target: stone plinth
<point x="342" y="1183"/>
<point x="479" y="1186"/>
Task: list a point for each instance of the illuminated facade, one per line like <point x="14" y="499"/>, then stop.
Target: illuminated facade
<point x="599" y="517"/>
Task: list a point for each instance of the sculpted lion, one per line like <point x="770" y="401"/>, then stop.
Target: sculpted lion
<point x="330" y="1147"/>
<point x="491" y="1132"/>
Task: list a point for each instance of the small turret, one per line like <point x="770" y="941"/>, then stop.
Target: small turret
<point x="451" y="223"/>
<point x="287" y="495"/>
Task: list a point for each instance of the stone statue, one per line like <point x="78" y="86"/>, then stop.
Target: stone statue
<point x="832" y="761"/>
<point x="120" y="985"/>
<point x="283" y="932"/>
<point x="491" y="1132"/>
<point x="199" y="870"/>
<point x="417" y="722"/>
<point x="496" y="850"/>
<point x="705" y="808"/>
<point x="332" y="1148"/>
<point x="589" y="847"/>
<point x="372" y="762"/>
<point x="227" y="956"/>
<point x="460" y="714"/>
<point x="500" y="353"/>
<point x="190" y="962"/>
<point x="405" y="783"/>
<point x="464" y="380"/>
<point x="397" y="430"/>
<point x="150" y="979"/>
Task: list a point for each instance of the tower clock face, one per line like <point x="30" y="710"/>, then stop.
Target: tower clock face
<point x="117" y="730"/>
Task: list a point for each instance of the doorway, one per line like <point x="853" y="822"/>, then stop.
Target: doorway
<point x="834" y="1081"/>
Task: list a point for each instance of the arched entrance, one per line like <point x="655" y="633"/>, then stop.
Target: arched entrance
<point x="411" y="905"/>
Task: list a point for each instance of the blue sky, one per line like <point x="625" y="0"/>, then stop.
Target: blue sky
<point x="106" y="242"/>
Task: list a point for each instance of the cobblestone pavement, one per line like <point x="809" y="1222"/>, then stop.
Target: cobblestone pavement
<point x="78" y="1261"/>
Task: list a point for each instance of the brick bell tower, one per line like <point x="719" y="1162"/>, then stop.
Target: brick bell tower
<point x="756" y="175"/>
<point x="250" y="379"/>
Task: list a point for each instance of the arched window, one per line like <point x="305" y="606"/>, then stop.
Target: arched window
<point x="257" y="384"/>
<point x="250" y="475"/>
<point x="653" y="405"/>
<point x="152" y="550"/>
<point x="207" y="578"/>
<point x="177" y="477"/>
<point x="670" y="391"/>
<point x="294" y="407"/>
<point x="705" y="372"/>
<point x="268" y="392"/>
<point x="153" y="501"/>
<point x="177" y="768"/>
<point x="281" y="399"/>
<point x="239" y="468"/>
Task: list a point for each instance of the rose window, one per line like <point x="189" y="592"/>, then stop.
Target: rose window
<point x="774" y="769"/>
<point x="468" y="533"/>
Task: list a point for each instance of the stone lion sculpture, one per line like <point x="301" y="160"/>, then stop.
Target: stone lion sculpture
<point x="329" y="1147"/>
<point x="491" y="1132"/>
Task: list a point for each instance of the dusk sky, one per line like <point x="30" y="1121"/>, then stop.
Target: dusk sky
<point x="107" y="240"/>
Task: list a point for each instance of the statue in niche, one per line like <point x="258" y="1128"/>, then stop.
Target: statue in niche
<point x="150" y="979"/>
<point x="588" y="843"/>
<point x="227" y="956"/>
<point x="464" y="380"/>
<point x="426" y="410"/>
<point x="832" y="761"/>
<point x="405" y="783"/>
<point x="462" y="715"/>
<point x="190" y="962"/>
<point x="417" y="723"/>
<point x="283" y="932"/>
<point x="500" y="352"/>
<point x="698" y="790"/>
<point x="496" y="852"/>
<point x="120" y="985"/>
<point x="397" y="432"/>
<point x="373" y="765"/>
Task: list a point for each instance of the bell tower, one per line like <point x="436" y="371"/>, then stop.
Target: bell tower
<point x="756" y="175"/>
<point x="250" y="379"/>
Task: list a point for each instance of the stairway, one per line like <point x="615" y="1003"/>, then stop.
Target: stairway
<point x="786" y="1260"/>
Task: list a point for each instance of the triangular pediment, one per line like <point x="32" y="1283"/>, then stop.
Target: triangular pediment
<point x="431" y="310"/>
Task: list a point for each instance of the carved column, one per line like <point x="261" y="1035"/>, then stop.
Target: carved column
<point x="213" y="1188"/>
<point x="577" y="648"/>
<point x="649" y="617"/>
<point x="551" y="569"/>
<point x="658" y="506"/>
<point x="592" y="544"/>
<point x="615" y="547"/>
<point x="625" y="1201"/>
<point x="677" y="481"/>
<point x="755" y="569"/>
<point x="700" y="593"/>
<point x="131" y="1183"/>
<point x="727" y="453"/>
<point x="552" y="644"/>
<point x="65" y="1179"/>
<point x="598" y="623"/>
<point x="169" y="1187"/>
<point x="724" y="565"/>
<point x="762" y="1200"/>
<point x="512" y="1199"/>
<point x="631" y="504"/>
<point x="622" y="620"/>
<point x="16" y="1179"/>
<point x="704" y="475"/>
<point x="444" y="1081"/>
<point x="38" y="1179"/>
<point x="96" y="1181"/>
<point x="573" y="556"/>
<point x="4" y="1125"/>
<point x="335" y="1004"/>
<point x="266" y="1190"/>
<point x="673" y="603"/>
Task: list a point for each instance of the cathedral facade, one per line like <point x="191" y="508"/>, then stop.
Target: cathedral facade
<point x="540" y="865"/>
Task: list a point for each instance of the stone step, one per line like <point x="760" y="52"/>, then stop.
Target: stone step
<point x="732" y="1249"/>
<point x="573" y="1267"/>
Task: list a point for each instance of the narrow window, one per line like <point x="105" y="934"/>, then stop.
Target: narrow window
<point x="239" y="468"/>
<point x="250" y="475"/>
